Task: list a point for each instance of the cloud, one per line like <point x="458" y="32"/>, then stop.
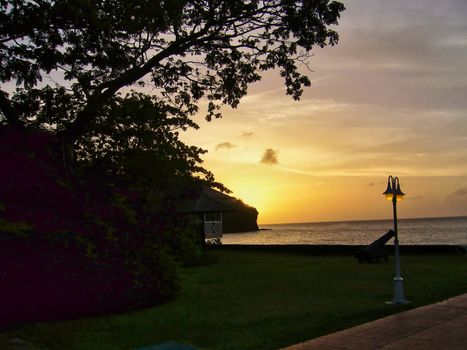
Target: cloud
<point x="461" y="192"/>
<point x="226" y="145"/>
<point x="269" y="157"/>
<point x="247" y="134"/>
<point x="371" y="184"/>
<point x="416" y="198"/>
<point x="274" y="118"/>
<point x="394" y="42"/>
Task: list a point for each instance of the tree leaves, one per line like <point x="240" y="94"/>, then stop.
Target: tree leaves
<point x="71" y="59"/>
<point x="192" y="49"/>
<point x="137" y="138"/>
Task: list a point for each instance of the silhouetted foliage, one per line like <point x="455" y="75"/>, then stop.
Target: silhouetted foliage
<point x="78" y="66"/>
<point x="145" y="152"/>
<point x="70" y="248"/>
<point x="181" y="51"/>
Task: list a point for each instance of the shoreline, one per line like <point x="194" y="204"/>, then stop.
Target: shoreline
<point x="329" y="249"/>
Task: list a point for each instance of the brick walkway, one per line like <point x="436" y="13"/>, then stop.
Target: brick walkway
<point x="440" y="326"/>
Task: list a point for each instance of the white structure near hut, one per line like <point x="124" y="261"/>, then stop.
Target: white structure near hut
<point x="209" y="205"/>
<point x="212" y="222"/>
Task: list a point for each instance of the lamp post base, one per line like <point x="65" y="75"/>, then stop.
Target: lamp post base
<point x="399" y="298"/>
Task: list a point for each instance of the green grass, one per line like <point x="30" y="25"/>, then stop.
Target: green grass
<point x="253" y="300"/>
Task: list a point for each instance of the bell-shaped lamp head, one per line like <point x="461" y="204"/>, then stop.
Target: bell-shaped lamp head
<point x="389" y="191"/>
<point x="399" y="194"/>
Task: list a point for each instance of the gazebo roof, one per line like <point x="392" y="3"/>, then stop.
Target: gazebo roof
<point x="207" y="201"/>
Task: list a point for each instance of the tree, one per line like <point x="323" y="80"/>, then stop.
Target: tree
<point x="71" y="60"/>
<point x="115" y="81"/>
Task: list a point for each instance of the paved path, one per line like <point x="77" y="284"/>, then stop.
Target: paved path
<point x="440" y="326"/>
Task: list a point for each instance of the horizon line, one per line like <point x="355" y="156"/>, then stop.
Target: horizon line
<point x="365" y="220"/>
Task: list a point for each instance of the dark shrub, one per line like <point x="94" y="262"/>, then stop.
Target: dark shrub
<point x="71" y="248"/>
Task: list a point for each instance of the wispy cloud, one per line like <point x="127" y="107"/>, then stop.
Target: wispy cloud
<point x="416" y="198"/>
<point x="247" y="134"/>
<point x="225" y="145"/>
<point x="269" y="157"/>
<point x="273" y="119"/>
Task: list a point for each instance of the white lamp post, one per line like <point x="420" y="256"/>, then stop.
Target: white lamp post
<point x="394" y="194"/>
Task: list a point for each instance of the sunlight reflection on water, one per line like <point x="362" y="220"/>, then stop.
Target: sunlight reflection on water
<point x="411" y="231"/>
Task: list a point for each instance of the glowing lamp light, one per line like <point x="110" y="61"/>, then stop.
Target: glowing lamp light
<point x="393" y="190"/>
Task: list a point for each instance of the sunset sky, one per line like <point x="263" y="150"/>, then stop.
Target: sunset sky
<point x="390" y="98"/>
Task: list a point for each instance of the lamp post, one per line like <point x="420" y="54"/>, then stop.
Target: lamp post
<point x="394" y="194"/>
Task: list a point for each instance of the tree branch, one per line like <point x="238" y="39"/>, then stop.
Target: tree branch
<point x="106" y="90"/>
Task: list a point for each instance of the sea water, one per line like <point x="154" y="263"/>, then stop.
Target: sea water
<point x="426" y="231"/>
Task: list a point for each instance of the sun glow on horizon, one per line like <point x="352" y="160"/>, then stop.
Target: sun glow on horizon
<point x="256" y="191"/>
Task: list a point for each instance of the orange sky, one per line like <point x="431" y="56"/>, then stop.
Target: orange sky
<point x="389" y="99"/>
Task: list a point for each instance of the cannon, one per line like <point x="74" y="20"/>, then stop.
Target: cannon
<point x="375" y="251"/>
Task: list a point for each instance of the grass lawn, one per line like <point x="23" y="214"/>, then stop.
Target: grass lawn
<point x="261" y="300"/>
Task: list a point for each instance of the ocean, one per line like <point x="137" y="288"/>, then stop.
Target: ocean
<point x="426" y="231"/>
